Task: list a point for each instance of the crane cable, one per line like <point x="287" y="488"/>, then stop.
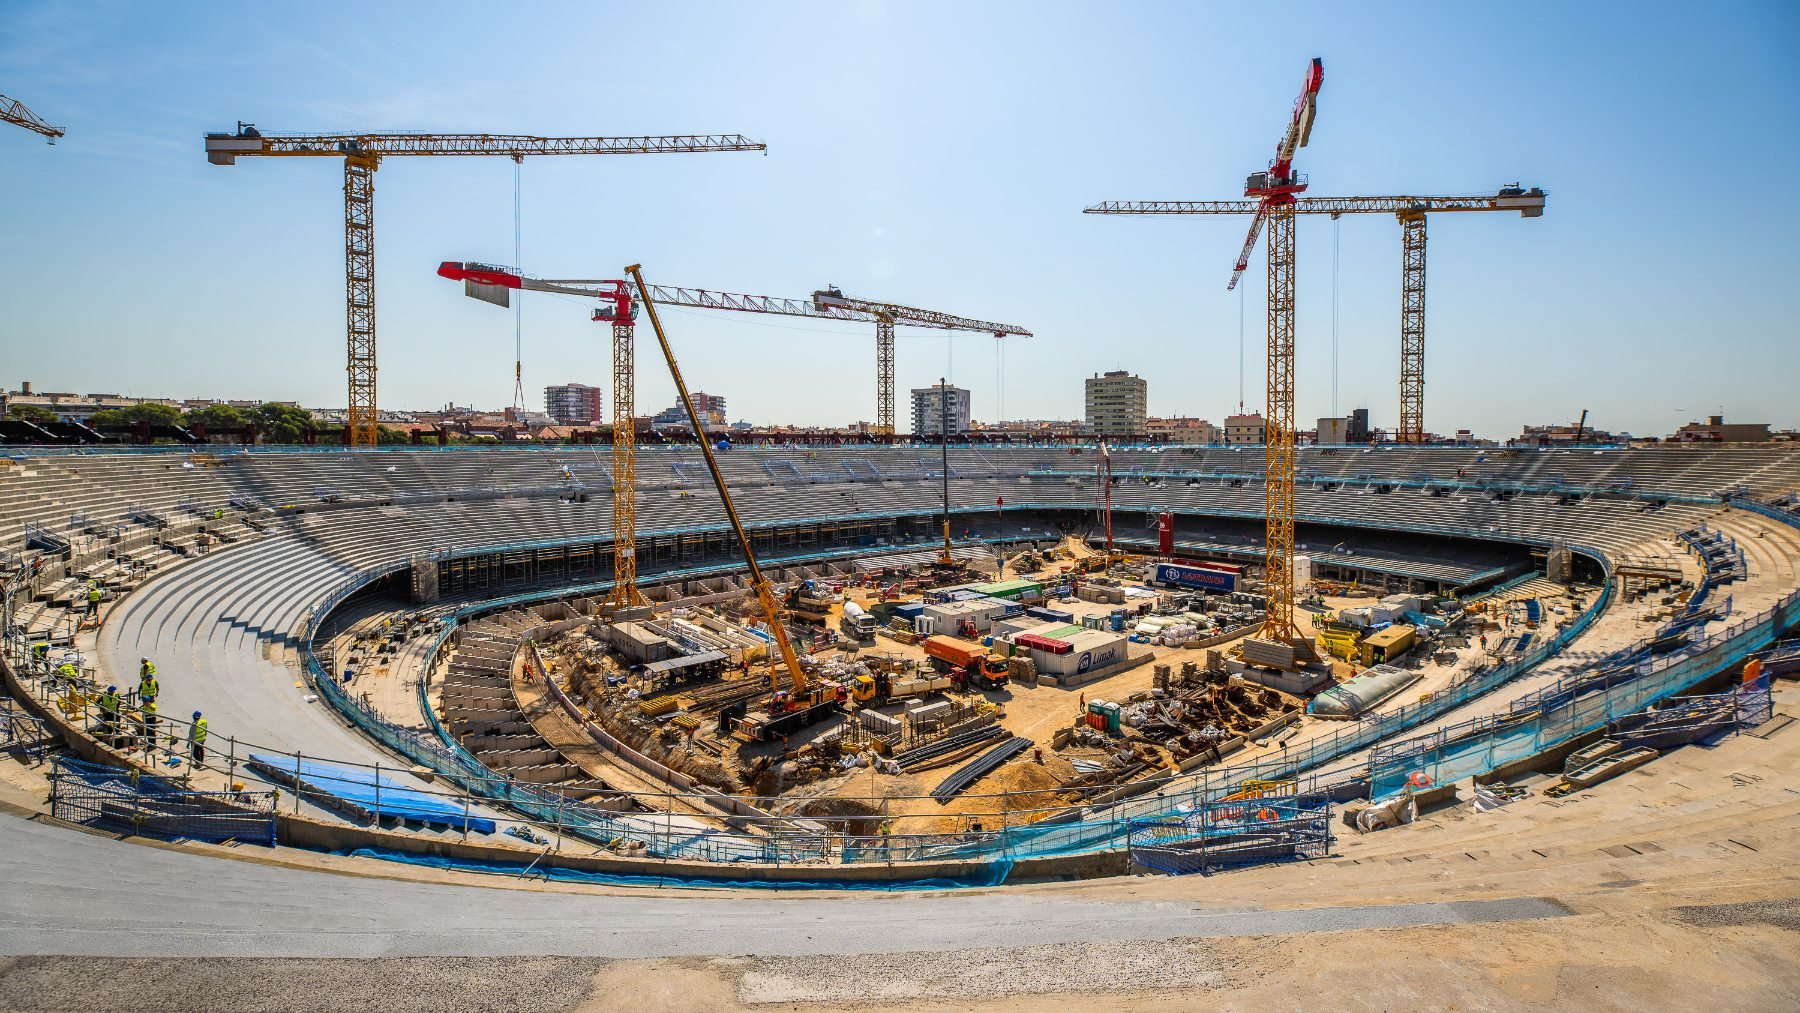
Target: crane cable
<point x="518" y="304"/>
<point x="1336" y="223"/>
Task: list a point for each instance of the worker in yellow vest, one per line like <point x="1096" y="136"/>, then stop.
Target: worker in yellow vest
<point x="93" y="600"/>
<point x="197" y="740"/>
<point x="148" y="688"/>
<point x="109" y="716"/>
<point x="147" y="727"/>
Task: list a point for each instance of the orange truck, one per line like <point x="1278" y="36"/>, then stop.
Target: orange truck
<point x="983" y="667"/>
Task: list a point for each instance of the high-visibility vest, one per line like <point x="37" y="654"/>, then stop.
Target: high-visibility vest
<point x="109" y="704"/>
<point x="94" y="594"/>
<point x="197" y="734"/>
<point x="148" y="688"/>
<point x="68" y="671"/>
<point x="146" y="669"/>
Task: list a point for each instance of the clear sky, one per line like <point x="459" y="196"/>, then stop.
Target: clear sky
<point x="937" y="154"/>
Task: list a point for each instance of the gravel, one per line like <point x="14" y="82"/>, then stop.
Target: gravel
<point x="277" y="985"/>
<point x="1781" y="912"/>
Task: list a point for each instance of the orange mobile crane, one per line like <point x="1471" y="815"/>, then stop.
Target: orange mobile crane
<point x="362" y="154"/>
<point x="802" y="702"/>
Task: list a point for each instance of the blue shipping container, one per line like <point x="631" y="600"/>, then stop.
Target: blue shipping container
<point x="1194" y="576"/>
<point x="1051" y="615"/>
<point x="911" y="610"/>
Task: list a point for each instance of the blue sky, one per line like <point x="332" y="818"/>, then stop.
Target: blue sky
<point x="933" y="154"/>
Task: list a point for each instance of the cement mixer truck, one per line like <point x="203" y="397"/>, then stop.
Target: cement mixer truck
<point x="857" y="623"/>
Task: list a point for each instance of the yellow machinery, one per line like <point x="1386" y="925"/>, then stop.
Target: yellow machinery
<point x="13" y="111"/>
<point x="362" y="154"/>
<point x="801" y="695"/>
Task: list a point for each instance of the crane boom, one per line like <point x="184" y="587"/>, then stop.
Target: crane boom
<point x="1529" y="204"/>
<point x="13" y="111"/>
<point x="224" y="149"/>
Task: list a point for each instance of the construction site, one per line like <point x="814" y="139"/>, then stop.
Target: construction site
<point x="599" y="699"/>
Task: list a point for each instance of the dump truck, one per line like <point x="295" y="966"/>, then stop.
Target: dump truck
<point x="882" y="686"/>
<point x="982" y="667"/>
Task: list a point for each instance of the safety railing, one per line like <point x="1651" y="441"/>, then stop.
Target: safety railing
<point x="132" y="802"/>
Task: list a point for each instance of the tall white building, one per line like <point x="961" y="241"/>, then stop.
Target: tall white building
<point x="928" y="411"/>
<point x="1117" y="403"/>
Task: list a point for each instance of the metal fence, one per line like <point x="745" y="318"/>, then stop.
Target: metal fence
<point x="1227" y="834"/>
<point x="1570" y="708"/>
<point x="132" y="802"/>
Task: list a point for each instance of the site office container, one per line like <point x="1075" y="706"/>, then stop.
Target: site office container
<point x="1200" y="577"/>
<point x="1088" y="650"/>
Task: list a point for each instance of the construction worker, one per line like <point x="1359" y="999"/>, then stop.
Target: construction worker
<point x="70" y="676"/>
<point x="109" y="716"/>
<point x="197" y="740"/>
<point x="93" y="600"/>
<point x="147" y="727"/>
<point x="148" y="688"/>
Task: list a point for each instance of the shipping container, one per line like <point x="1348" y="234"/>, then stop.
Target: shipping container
<point x="1015" y="589"/>
<point x="1051" y="615"/>
<point x="910" y="610"/>
<point x="1387" y="644"/>
<point x="1204" y="578"/>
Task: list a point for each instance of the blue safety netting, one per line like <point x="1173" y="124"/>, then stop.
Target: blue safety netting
<point x="132" y="802"/>
<point x="990" y="874"/>
<point x="369" y="793"/>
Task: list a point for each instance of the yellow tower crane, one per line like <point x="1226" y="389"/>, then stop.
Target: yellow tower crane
<point x="831" y="304"/>
<point x="362" y="154"/>
<point x="13" y="111"/>
<point x="1411" y="212"/>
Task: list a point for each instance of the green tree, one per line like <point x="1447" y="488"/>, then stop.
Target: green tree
<point x="216" y="417"/>
<point x="277" y="423"/>
<point x="155" y="414"/>
<point x="31" y="413"/>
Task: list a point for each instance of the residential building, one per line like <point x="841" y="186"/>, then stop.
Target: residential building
<point x="1333" y="432"/>
<point x="573" y="404"/>
<point x="1359" y="426"/>
<point x="1561" y="435"/>
<point x="1182" y="430"/>
<point x="1245" y="430"/>
<point x="710" y="406"/>
<point x="1117" y="404"/>
<point x="1717" y="430"/>
<point x="928" y="411"/>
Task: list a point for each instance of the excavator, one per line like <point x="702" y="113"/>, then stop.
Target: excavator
<point x="801" y="702"/>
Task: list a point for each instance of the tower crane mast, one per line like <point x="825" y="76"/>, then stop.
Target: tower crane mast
<point x="1275" y="190"/>
<point x="362" y="154"/>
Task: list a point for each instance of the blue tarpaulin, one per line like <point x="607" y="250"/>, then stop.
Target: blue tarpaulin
<point x="370" y="792"/>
